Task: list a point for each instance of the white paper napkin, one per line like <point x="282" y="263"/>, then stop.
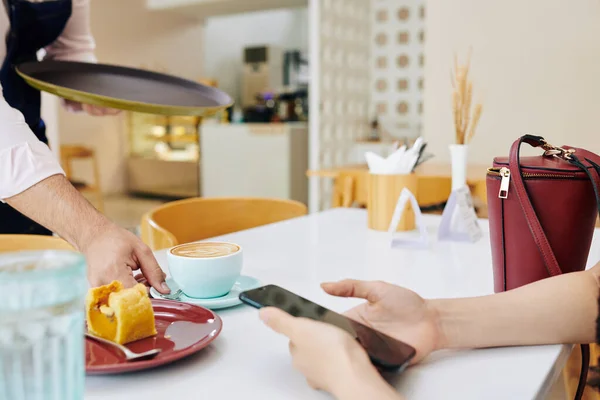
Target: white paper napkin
<point x="399" y="162"/>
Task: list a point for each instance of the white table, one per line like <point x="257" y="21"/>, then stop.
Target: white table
<point x="248" y="361"/>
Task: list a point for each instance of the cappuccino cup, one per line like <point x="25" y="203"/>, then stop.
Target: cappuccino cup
<point x="205" y="269"/>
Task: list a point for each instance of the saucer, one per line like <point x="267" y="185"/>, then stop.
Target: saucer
<point x="231" y="299"/>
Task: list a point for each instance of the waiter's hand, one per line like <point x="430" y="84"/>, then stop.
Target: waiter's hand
<point x="114" y="253"/>
<point x="97" y="111"/>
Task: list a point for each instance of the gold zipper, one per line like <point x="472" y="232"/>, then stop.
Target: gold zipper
<point x="505" y="174"/>
<point x="497" y="172"/>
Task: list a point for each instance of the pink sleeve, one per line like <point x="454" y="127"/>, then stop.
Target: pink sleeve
<point x="24" y="160"/>
<point x="76" y="42"/>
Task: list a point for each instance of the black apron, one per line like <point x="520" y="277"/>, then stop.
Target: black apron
<point x="33" y="26"/>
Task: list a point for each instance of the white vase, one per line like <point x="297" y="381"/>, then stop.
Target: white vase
<point x="459" y="154"/>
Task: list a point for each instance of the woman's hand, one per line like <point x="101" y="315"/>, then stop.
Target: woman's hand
<point x="96" y="111"/>
<point x="393" y="310"/>
<point x="329" y="357"/>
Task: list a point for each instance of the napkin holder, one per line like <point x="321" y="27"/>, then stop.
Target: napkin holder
<point x="383" y="193"/>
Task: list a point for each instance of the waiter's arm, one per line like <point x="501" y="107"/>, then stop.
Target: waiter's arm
<point x="32" y="181"/>
<point x="56" y="204"/>
<point x="112" y="252"/>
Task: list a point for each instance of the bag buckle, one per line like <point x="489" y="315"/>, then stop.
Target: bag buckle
<point x="556" y="151"/>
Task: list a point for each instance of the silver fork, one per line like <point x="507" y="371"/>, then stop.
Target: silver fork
<point x="129" y="355"/>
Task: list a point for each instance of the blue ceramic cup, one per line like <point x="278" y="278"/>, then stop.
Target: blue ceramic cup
<point x="205" y="269"/>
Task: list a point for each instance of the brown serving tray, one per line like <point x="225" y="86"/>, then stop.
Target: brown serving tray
<point x="124" y="88"/>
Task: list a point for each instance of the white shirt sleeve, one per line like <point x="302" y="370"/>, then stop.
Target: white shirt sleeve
<point x="24" y="160"/>
<point x="76" y="42"/>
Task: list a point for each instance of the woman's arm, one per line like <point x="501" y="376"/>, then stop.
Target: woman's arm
<point x="561" y="309"/>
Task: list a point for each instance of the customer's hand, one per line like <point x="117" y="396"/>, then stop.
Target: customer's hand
<point x="329" y="357"/>
<point x="113" y="253"/>
<point x="90" y="109"/>
<point x="393" y="310"/>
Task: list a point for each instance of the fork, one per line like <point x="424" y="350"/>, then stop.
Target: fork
<point x="129" y="355"/>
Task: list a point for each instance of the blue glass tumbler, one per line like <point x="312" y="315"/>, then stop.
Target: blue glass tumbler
<point x="42" y="354"/>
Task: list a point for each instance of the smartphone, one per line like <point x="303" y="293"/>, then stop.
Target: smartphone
<point x="385" y="352"/>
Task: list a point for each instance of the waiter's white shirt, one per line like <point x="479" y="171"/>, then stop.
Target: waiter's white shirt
<point x="24" y="160"/>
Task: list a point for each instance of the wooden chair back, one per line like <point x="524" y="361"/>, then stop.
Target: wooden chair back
<point x="195" y="219"/>
<point x="9" y="243"/>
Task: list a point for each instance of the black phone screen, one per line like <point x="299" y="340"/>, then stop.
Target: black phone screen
<point x="384" y="351"/>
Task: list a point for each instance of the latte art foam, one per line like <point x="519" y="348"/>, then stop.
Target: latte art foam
<point x="205" y="250"/>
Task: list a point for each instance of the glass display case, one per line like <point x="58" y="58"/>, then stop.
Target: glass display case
<point x="164" y="155"/>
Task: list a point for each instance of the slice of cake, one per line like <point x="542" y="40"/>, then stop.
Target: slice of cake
<point x="118" y="314"/>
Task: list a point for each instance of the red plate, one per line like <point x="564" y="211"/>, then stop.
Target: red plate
<point x="183" y="329"/>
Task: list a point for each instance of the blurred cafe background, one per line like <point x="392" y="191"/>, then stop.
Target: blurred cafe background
<point x="316" y="84"/>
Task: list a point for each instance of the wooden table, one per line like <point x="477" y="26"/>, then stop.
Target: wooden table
<point x="434" y="186"/>
<point x="250" y="361"/>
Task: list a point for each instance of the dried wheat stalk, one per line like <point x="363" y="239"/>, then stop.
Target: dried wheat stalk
<point x="465" y="118"/>
<point x="476" y="115"/>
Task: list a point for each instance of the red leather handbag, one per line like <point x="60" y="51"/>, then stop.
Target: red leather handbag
<point x="542" y="213"/>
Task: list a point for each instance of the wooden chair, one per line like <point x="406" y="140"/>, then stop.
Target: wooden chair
<point x="194" y="219"/>
<point x="349" y="189"/>
<point x="69" y="153"/>
<point x="10" y="243"/>
<point x="350" y="184"/>
<point x="572" y="370"/>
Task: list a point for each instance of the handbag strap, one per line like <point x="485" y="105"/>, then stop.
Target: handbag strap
<point x="585" y="349"/>
<point x="595" y="179"/>
<point x="534" y="223"/>
<point x="535" y="226"/>
<point x="585" y="367"/>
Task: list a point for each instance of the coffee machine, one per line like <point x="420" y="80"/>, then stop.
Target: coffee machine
<point x="262" y="72"/>
<point x="274" y="85"/>
<point x="293" y="101"/>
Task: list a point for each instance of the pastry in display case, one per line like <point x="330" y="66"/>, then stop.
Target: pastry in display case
<point x="164" y="155"/>
<point x="164" y="152"/>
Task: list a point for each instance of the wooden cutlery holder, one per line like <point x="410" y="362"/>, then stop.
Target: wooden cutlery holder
<point x="383" y="194"/>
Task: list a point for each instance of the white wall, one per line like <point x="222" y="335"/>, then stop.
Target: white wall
<point x="225" y="38"/>
<point x="207" y="8"/>
<point x="127" y="34"/>
<point x="397" y="108"/>
<point x="535" y="65"/>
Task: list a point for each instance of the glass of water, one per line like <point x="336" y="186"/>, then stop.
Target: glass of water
<point x="42" y="354"/>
